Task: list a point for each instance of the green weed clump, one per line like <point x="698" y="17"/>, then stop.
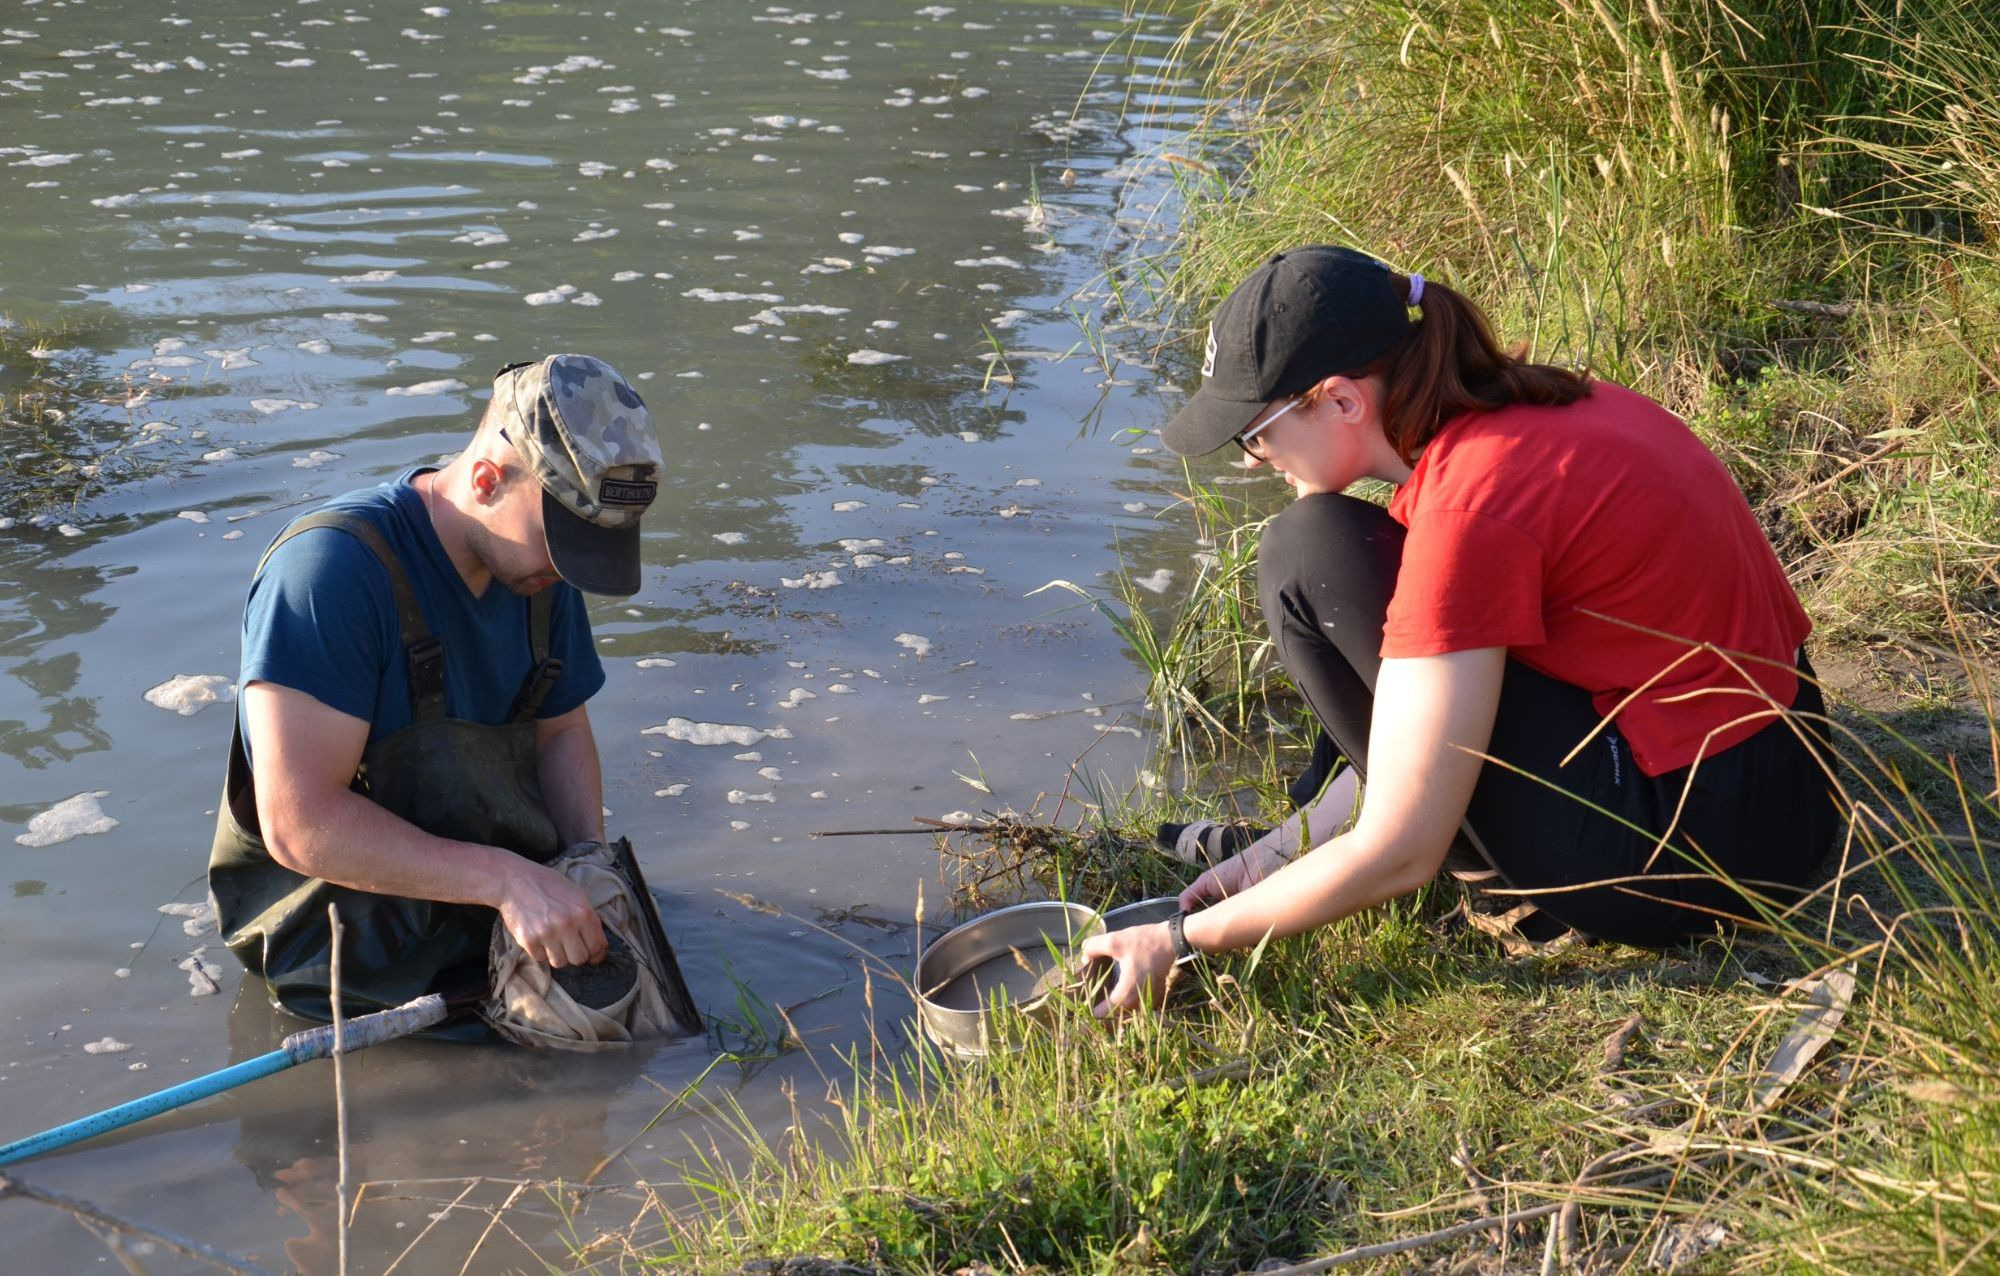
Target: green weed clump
<point x="67" y="429"/>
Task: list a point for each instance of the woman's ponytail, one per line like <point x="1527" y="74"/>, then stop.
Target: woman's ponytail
<point x="1449" y="365"/>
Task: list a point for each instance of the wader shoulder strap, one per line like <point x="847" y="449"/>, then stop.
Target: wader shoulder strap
<point x="423" y="655"/>
<point x="542" y="676"/>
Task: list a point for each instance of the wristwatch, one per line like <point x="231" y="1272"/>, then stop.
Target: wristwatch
<point x="1184" y="952"/>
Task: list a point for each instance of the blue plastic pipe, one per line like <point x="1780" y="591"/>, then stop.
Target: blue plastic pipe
<point x="300" y="1047"/>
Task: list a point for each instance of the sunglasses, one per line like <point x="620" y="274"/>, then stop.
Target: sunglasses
<point x="1243" y="440"/>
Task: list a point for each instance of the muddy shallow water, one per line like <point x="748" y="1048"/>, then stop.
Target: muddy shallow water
<point x="299" y="238"/>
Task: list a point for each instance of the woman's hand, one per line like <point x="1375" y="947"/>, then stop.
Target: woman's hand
<point x="1234" y="876"/>
<point x="1145" y="956"/>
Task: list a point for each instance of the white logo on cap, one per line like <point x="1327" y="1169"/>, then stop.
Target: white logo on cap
<point x="1208" y="355"/>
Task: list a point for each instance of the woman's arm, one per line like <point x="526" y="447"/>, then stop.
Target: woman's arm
<point x="1432" y="720"/>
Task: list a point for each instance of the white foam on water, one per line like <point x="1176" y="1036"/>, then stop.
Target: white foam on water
<point x="435" y="335"/>
<point x="852" y="545"/>
<point x="737" y="797"/>
<point x="770" y="773"/>
<point x="316" y="345"/>
<point x="421" y="389"/>
<point x="627" y="276"/>
<point x="969" y="436"/>
<point x="661" y="165"/>
<point x="193" y="516"/>
<point x="811" y="580"/>
<point x="1157" y="582"/>
<point x="270" y="407"/>
<point x="74" y="816"/>
<point x="233" y="359"/>
<point x="108" y="1045"/>
<point x="867" y="560"/>
<point x="236" y="535"/>
<point x="69" y="529"/>
<point x="219" y="455"/>
<point x="885" y="250"/>
<point x="688" y="731"/>
<point x="498" y="263"/>
<point x="869" y="358"/>
<point x="915" y="642"/>
<point x="928" y="698"/>
<point x="731" y="538"/>
<point x="848" y="507"/>
<point x="1135" y="507"/>
<point x="739" y="825"/>
<point x="656" y="662"/>
<point x="366" y="277"/>
<point x="839" y="689"/>
<point x="314" y="459"/>
<point x="711" y="294"/>
<point x="752" y="756"/>
<point x="1027" y="482"/>
<point x="552" y="297"/>
<point x="189" y="693"/>
<point x="586" y="299"/>
<point x="672" y="790"/>
<point x="796" y="697"/>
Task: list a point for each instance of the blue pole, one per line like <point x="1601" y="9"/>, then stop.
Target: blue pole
<point x="300" y="1047"/>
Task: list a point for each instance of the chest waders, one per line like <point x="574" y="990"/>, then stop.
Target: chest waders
<point x="469" y="781"/>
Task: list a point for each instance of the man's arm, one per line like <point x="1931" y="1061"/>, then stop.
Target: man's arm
<point x="306" y="754"/>
<point x="572" y="784"/>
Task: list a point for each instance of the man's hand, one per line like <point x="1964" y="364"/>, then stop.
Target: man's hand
<point x="314" y="824"/>
<point x="550" y="917"/>
<point x="1233" y="876"/>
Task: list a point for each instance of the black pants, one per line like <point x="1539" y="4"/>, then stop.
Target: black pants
<point x="1761" y="812"/>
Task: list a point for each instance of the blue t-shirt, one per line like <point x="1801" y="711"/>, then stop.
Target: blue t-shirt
<point x="322" y="620"/>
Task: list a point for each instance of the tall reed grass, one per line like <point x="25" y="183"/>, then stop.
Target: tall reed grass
<point x="1774" y="217"/>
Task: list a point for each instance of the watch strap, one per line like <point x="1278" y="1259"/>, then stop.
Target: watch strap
<point x="1184" y="952"/>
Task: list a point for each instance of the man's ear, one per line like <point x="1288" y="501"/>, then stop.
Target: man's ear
<point x="487" y="479"/>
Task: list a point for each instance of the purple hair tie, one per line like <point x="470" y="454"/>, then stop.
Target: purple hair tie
<point x="1416" y="288"/>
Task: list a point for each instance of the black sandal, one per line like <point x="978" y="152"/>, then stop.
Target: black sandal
<point x="1204" y="843"/>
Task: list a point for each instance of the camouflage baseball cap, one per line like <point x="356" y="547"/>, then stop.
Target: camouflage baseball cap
<point x="585" y="434"/>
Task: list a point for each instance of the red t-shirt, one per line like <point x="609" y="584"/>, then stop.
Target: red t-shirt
<point x="1524" y="520"/>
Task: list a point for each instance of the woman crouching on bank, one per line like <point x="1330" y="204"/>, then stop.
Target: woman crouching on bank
<point x="1564" y="569"/>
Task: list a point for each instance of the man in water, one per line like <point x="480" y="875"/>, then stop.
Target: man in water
<point x="411" y="742"/>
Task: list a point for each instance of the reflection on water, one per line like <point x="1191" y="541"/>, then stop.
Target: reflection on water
<point x="291" y="242"/>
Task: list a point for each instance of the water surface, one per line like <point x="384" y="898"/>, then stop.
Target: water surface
<point x="300" y="237"/>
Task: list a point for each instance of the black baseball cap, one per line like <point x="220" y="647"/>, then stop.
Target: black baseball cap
<point x="1302" y="316"/>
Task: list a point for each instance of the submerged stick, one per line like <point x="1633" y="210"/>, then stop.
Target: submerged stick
<point x="89" y="1213"/>
<point x="339" y="1087"/>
